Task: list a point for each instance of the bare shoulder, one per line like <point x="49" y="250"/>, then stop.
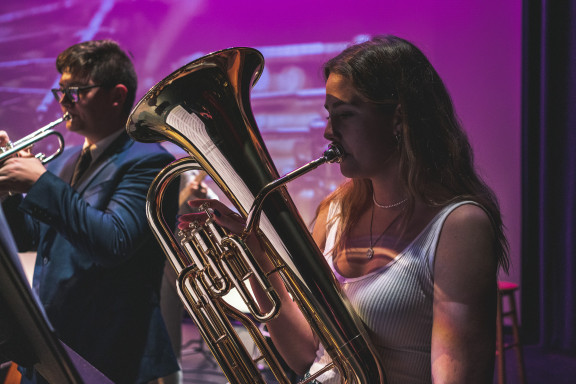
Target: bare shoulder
<point x="468" y="220"/>
<point x="465" y="254"/>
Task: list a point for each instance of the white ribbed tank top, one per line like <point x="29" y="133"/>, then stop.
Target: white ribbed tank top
<point x="395" y="302"/>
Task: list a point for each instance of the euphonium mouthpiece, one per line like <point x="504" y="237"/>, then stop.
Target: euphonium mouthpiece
<point x="334" y="153"/>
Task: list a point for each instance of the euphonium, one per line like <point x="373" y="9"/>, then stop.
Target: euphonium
<point x="29" y="140"/>
<point x="204" y="107"/>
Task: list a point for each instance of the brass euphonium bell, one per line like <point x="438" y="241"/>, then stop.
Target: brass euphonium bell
<point x="204" y="108"/>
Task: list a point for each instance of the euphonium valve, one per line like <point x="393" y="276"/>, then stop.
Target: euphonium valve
<point x="204" y="108"/>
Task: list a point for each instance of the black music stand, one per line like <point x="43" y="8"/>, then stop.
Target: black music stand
<point x="26" y="335"/>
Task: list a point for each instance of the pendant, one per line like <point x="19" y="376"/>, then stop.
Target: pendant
<point x="369" y="253"/>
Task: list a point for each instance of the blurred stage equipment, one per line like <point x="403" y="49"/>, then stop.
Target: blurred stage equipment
<point x="31" y="139"/>
<point x="204" y="108"/>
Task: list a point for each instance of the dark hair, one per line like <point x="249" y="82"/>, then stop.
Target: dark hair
<point x="436" y="159"/>
<point x="104" y="62"/>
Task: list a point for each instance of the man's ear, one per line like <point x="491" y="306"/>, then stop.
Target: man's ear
<point x="119" y="93"/>
<point x="398" y="120"/>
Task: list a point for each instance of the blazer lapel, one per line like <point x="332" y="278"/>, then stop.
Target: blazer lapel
<point x="108" y="156"/>
<point x="63" y="166"/>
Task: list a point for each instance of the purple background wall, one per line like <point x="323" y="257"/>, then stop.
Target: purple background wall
<point x="475" y="46"/>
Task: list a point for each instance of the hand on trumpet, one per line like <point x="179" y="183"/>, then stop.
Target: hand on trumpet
<point x="5" y="145"/>
<point x="4" y="139"/>
<point x="19" y="172"/>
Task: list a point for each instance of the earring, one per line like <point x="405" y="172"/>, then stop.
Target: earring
<point x="398" y="137"/>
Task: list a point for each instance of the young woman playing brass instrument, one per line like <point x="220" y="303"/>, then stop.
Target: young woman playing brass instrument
<point x="414" y="237"/>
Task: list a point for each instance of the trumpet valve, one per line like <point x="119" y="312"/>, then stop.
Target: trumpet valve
<point x="5" y="148"/>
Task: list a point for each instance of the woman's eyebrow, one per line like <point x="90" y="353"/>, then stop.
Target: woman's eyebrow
<point x="336" y="104"/>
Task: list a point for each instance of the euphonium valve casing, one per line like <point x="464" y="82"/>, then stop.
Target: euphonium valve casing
<point x="204" y="108"/>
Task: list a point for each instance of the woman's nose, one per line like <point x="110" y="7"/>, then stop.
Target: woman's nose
<point x="328" y="132"/>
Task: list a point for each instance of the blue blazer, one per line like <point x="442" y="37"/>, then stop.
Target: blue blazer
<point x="99" y="268"/>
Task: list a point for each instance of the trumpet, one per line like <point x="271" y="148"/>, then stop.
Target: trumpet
<point x="27" y="141"/>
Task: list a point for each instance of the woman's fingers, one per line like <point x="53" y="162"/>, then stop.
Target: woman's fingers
<point x="226" y="218"/>
<point x="185" y="220"/>
<point x="223" y="216"/>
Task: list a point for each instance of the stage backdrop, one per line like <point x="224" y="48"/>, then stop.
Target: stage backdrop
<point x="475" y="45"/>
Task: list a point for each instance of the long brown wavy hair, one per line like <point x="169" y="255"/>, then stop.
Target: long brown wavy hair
<point x="436" y="159"/>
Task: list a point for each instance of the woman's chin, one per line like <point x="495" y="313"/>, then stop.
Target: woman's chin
<point x="348" y="171"/>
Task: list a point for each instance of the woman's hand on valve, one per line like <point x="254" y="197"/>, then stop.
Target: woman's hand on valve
<point x="222" y="216"/>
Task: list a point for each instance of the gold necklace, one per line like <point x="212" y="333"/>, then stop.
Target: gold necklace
<point x="370" y="251"/>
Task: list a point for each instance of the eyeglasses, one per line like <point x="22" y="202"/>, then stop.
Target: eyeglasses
<point x="72" y="93"/>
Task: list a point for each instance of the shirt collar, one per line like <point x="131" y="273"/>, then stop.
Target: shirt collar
<point x="98" y="148"/>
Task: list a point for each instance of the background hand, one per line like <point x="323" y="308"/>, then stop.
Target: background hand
<point x="193" y="190"/>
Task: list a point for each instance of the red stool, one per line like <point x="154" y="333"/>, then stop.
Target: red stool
<point x="508" y="290"/>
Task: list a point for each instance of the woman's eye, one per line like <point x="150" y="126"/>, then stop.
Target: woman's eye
<point x="339" y="116"/>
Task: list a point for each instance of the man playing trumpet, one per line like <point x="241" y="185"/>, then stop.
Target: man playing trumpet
<point x="98" y="269"/>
